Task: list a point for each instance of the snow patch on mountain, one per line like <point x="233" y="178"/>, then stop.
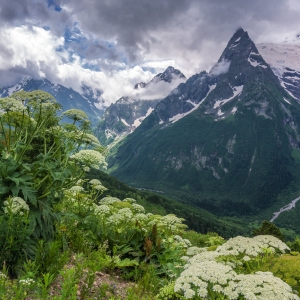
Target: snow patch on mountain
<point x="124" y="122"/>
<point x="181" y="115"/>
<point x="138" y="121"/>
<point x="236" y="91"/>
<point x="281" y="56"/>
<point x="284" y="60"/>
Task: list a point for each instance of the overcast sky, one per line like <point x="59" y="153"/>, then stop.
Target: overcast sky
<point x="111" y="45"/>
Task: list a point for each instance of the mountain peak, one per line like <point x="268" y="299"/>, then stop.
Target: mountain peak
<point x="168" y="76"/>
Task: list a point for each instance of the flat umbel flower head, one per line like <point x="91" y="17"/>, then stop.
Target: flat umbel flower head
<point x="11" y="104"/>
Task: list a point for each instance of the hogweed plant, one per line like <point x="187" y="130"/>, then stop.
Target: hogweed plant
<point x="209" y="275"/>
<point x="38" y="157"/>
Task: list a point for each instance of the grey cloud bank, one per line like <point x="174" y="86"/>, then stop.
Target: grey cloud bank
<point x="116" y="39"/>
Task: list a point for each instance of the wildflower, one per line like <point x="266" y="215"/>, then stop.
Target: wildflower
<point x="89" y="158"/>
<point x="261" y="285"/>
<point x="251" y="246"/>
<point x="76" y="114"/>
<point x="184" y="258"/>
<point x="129" y="200"/>
<point x="196" y="277"/>
<point x="138" y="208"/>
<point x="126" y="213"/>
<point x="115" y="219"/>
<point x="100" y="187"/>
<point x="76" y="189"/>
<point x="90" y="139"/>
<point x="34" y="97"/>
<point x="246" y="258"/>
<point x="11" y="104"/>
<point x="191" y="251"/>
<point x="95" y="182"/>
<point x="27" y="281"/>
<point x="16" y="205"/>
<point x="101" y="210"/>
<point x="140" y="217"/>
<point x="79" y="181"/>
<point x="183" y="242"/>
<point x="109" y="200"/>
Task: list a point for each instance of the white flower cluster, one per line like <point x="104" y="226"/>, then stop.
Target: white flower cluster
<point x="115" y="219"/>
<point x="129" y="200"/>
<point x="11" y="104"/>
<point x="100" y="188"/>
<point x="251" y="246"/>
<point x="126" y="213"/>
<point x="101" y="210"/>
<point x="271" y="241"/>
<point x="76" y="189"/>
<point x="2" y="275"/>
<point x="76" y="114"/>
<point x="202" y="272"/>
<point x="95" y="182"/>
<point x="138" y="208"/>
<point x="201" y="257"/>
<point x="259" y="286"/>
<point x="185" y="243"/>
<point x="196" y="277"/>
<point x="97" y="185"/>
<point x="140" y="217"/>
<point x="172" y="222"/>
<point x="191" y="251"/>
<point x="90" y="139"/>
<point x="16" y="205"/>
<point x="89" y="158"/>
<point x="27" y="281"/>
<point x="109" y="200"/>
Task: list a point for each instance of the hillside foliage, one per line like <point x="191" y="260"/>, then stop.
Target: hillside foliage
<point x="64" y="236"/>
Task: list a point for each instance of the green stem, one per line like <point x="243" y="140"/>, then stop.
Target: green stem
<point x="3" y="132"/>
<point x="210" y="293"/>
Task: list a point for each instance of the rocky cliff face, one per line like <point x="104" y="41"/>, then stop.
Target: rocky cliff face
<point x="227" y="140"/>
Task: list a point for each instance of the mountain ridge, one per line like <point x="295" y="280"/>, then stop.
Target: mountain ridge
<point x="226" y="140"/>
<point x="127" y="113"/>
<point x="68" y="98"/>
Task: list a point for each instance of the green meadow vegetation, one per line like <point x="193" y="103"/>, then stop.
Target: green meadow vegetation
<point x="69" y="231"/>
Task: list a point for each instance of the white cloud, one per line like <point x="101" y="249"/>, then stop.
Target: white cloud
<point x="34" y="51"/>
<point x="159" y="64"/>
<point x="158" y="90"/>
<point x="221" y="67"/>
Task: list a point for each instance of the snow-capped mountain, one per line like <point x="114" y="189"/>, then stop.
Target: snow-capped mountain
<point x="227" y="140"/>
<point x="68" y="98"/>
<point x="125" y="115"/>
<point x="284" y="59"/>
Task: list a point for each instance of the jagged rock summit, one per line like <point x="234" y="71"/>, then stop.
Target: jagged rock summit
<point x="227" y="140"/>
<point x="167" y="76"/>
<point x="126" y="114"/>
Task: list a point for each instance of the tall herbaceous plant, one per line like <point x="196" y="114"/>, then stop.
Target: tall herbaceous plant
<point x="39" y="158"/>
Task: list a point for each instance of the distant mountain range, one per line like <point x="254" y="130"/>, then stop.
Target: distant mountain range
<point x="227" y="141"/>
<point x="68" y="98"/>
<point x="126" y="114"/>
